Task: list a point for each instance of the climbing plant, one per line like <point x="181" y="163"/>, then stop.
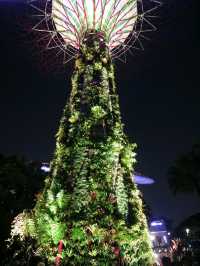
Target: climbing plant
<point x="90" y="211"/>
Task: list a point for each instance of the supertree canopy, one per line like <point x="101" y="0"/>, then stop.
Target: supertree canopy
<point x="115" y="18"/>
<point x="64" y="23"/>
<point x="90" y="211"/>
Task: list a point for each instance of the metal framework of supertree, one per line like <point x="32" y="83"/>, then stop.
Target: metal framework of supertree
<point x="65" y="22"/>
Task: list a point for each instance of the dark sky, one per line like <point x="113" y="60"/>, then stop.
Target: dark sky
<point x="158" y="87"/>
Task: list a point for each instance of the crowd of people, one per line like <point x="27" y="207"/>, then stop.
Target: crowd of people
<point x="179" y="253"/>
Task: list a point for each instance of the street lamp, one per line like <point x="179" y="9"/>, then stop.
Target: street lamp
<point x="187" y="230"/>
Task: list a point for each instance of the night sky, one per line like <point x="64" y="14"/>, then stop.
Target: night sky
<point x="158" y="87"/>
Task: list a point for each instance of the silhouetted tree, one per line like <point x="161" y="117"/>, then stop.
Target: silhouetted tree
<point x="19" y="182"/>
<point x="184" y="175"/>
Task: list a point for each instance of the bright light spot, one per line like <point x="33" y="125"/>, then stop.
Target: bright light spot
<point x="165" y="239"/>
<point x="45" y="167"/>
<point x="142" y="180"/>
<point x="152" y="237"/>
<point x="169" y="234"/>
<point x="12" y="191"/>
<point x="156" y="223"/>
<point x="156" y="255"/>
<point x="187" y="230"/>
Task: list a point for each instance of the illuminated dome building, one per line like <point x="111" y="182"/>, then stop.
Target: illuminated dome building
<point x="159" y="234"/>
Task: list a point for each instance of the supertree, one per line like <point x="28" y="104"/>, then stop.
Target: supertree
<point x="90" y="211"/>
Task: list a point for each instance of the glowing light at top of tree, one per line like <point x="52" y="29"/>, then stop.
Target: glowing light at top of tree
<point x="115" y="18"/>
<point x="121" y="23"/>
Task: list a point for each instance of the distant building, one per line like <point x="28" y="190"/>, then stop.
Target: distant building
<point x="159" y="233"/>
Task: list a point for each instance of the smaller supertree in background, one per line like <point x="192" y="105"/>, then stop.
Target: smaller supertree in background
<point x="90" y="211"/>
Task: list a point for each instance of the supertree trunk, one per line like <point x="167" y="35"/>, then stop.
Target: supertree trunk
<point x="90" y="212"/>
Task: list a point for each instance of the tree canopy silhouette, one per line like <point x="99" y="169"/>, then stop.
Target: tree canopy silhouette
<point x="184" y="175"/>
<point x="20" y="180"/>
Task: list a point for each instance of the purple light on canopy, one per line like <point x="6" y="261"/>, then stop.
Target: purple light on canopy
<point x="142" y="180"/>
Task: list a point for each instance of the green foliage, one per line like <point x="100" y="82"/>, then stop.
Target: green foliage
<point x="128" y="157"/>
<point x="122" y="197"/>
<point x="74" y="117"/>
<point x="78" y="234"/>
<point x="58" y="231"/>
<point x="89" y="201"/>
<point x="98" y="112"/>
